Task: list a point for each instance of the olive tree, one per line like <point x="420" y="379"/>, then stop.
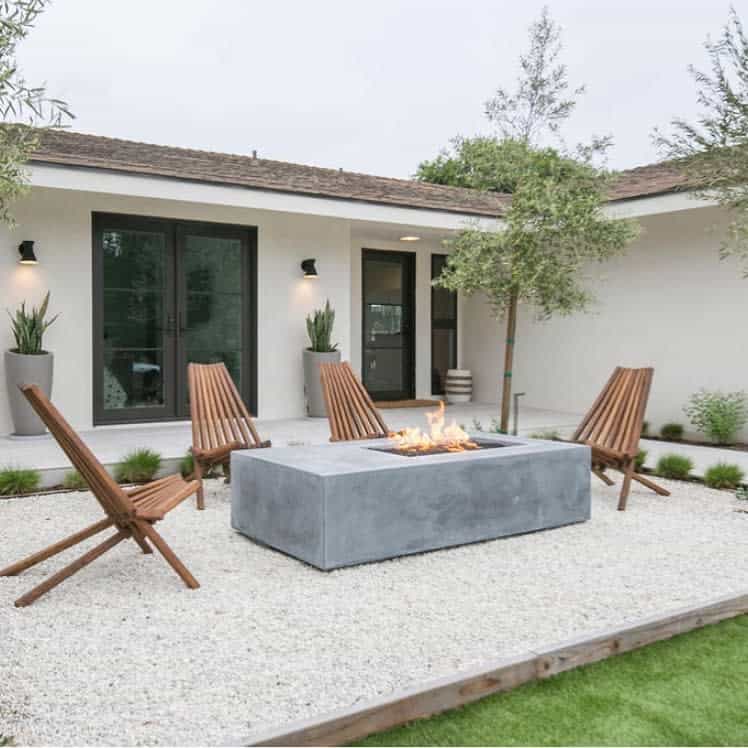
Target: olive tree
<point x="554" y="225"/>
<point x="24" y="108"/>
<point x="713" y="149"/>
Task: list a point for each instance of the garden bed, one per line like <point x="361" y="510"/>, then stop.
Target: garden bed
<point x="124" y="654"/>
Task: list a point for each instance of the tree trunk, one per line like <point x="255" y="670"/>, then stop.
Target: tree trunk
<point x="506" y="393"/>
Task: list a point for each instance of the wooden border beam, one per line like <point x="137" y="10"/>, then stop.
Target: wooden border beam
<point x="354" y="723"/>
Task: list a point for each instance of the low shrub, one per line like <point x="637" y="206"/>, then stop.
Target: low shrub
<point x="640" y="459"/>
<point x="674" y="466"/>
<point x="6" y="740"/>
<point x="74" y="481"/>
<point x="139" y="466"/>
<point x="187" y="465"/>
<point x="718" y="415"/>
<point x="551" y="436"/>
<point x="645" y="428"/>
<point x="723" y="475"/>
<point x="672" y="432"/>
<point x="18" y="480"/>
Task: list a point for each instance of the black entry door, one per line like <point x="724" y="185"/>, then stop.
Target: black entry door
<point x="388" y="343"/>
<point x="167" y="293"/>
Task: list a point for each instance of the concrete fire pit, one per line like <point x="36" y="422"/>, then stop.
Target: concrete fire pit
<point x="344" y="504"/>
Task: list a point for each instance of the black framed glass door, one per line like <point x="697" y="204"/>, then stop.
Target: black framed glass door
<point x="443" y="329"/>
<point x="167" y="293"/>
<point x="388" y="335"/>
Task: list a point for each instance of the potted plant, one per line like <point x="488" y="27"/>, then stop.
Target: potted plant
<point x="321" y="351"/>
<point x="28" y="363"/>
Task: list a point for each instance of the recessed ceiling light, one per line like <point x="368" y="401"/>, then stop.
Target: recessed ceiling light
<point x="409" y="238"/>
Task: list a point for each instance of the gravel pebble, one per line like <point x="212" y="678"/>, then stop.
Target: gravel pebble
<point x="123" y="654"/>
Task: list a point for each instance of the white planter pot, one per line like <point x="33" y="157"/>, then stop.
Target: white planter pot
<point x="459" y="386"/>
<point x="23" y="369"/>
<point x="315" y="399"/>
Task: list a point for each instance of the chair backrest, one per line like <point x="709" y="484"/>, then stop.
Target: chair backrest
<point x="350" y="410"/>
<point x="615" y="419"/>
<point x="219" y="416"/>
<point x="109" y="494"/>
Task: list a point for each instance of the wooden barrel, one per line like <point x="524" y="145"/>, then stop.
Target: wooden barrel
<point x="459" y="387"/>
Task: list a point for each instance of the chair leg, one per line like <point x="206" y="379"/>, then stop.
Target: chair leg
<point x="171" y="558"/>
<point x="53" y="550"/>
<point x="604" y="478"/>
<point x="650" y="484"/>
<point x="628" y="474"/>
<point x="70" y="569"/>
<point x="139" y="538"/>
<point x="197" y="474"/>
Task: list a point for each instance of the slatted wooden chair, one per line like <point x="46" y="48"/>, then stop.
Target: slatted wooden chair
<point x="131" y="513"/>
<point x="220" y="421"/>
<point x="613" y="426"/>
<point x="350" y="410"/>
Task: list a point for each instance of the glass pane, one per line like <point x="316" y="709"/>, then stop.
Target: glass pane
<point x="384" y="370"/>
<point x="383" y="282"/>
<point x="134" y="265"/>
<point x="383" y="325"/>
<point x="213" y="319"/>
<point x="133" y="379"/>
<point x="443" y="302"/>
<point x="443" y="356"/>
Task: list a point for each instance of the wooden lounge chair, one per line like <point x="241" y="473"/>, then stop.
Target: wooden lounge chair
<point x="350" y="410"/>
<point x="220" y="421"/>
<point x="131" y="514"/>
<point x="613" y="426"/>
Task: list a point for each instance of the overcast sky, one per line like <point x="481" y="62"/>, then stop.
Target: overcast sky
<point x="366" y="85"/>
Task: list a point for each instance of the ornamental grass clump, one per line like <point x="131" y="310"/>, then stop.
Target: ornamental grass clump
<point x="723" y="475"/>
<point x="18" y="480"/>
<point x="139" y="466"/>
<point x="719" y="415"/>
<point x="672" y="432"/>
<point x="74" y="481"/>
<point x="677" y="467"/>
<point x="28" y="328"/>
<point x="640" y="459"/>
<point x="319" y="326"/>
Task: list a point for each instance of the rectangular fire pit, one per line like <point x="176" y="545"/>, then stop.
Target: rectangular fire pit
<point x="343" y="504"/>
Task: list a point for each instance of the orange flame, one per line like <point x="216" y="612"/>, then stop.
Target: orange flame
<point x="439" y="436"/>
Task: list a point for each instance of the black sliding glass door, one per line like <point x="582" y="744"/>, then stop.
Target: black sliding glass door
<point x="388" y="280"/>
<point x="167" y="293"/>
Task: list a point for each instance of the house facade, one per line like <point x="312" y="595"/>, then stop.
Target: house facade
<point x="156" y="256"/>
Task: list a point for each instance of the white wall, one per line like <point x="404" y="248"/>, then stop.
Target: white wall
<point x="668" y="303"/>
<point x="60" y="224"/>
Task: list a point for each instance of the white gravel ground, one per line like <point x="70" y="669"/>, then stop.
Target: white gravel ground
<point x="124" y="654"/>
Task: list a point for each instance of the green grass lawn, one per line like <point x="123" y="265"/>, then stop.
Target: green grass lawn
<point x="691" y="690"/>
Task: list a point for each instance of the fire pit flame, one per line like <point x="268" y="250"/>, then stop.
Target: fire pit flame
<point x="439" y="437"/>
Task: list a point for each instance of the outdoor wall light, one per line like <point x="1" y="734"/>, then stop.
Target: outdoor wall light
<point x="410" y="238"/>
<point x="309" y="268"/>
<point x="26" y="250"/>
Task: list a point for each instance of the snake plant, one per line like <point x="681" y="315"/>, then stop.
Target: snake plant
<point x="29" y="328"/>
<point x="319" y="328"/>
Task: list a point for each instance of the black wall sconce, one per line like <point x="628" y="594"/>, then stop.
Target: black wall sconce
<point x="309" y="268"/>
<point x="26" y="250"/>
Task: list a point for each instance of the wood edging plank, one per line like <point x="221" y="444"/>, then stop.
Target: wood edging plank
<point x="427" y="699"/>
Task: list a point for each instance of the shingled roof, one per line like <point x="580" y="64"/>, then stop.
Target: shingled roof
<point x="68" y="148"/>
<point x="76" y="149"/>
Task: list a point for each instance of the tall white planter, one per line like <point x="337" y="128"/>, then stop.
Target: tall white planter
<point x="459" y="386"/>
<point x="315" y="400"/>
<point x="23" y="369"/>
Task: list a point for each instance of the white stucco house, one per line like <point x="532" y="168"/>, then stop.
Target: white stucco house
<point x="155" y="256"/>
